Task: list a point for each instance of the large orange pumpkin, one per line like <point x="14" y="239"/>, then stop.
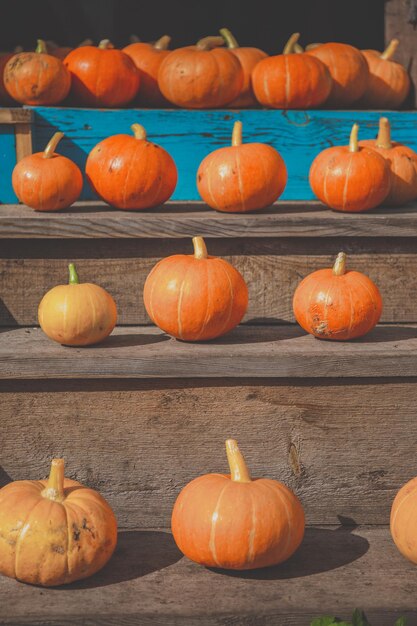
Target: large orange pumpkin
<point x="5" y="97"/>
<point x="248" y="58"/>
<point x="388" y="83"/>
<point x="348" y="69"/>
<point x="291" y="80"/>
<point x="403" y="522"/>
<point x="236" y="522"/>
<point x="77" y="314"/>
<point x="47" y="181"/>
<point x="402" y="162"/>
<point x="203" y="76"/>
<point x="350" y="178"/>
<point x="37" y="78"/>
<point x="130" y="172"/>
<point x="195" y="297"/>
<point x="337" y="304"/>
<point x="55" y="531"/>
<point x="243" y="177"/>
<point x="148" y="58"/>
<point x="102" y="76"/>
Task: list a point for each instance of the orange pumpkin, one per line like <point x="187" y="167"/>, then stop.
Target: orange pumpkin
<point x="77" y="314"/>
<point x="47" y="181"/>
<point x="388" y="83"/>
<point x="403" y="522"/>
<point x="291" y="80"/>
<point x="5" y="97"/>
<point x="337" y="304"/>
<point x="243" y="177"/>
<point x="402" y="162"/>
<point x="348" y="69"/>
<point x="37" y="78"/>
<point x="248" y="58"/>
<point x="102" y="76"/>
<point x="148" y="58"/>
<point x="130" y="172"/>
<point x="55" y="531"/>
<point x="350" y="178"/>
<point x="234" y="522"/>
<point x="203" y="76"/>
<point x="195" y="297"/>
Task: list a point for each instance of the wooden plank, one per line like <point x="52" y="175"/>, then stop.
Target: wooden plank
<point x="255" y="351"/>
<point x="149" y="583"/>
<point x="95" y="220"/>
<point x="15" y="115"/>
<point x="23" y="134"/>
<point x="399" y="17"/>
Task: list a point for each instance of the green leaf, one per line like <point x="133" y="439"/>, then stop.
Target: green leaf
<point x="359" y="618"/>
<point x="326" y="620"/>
<point x="401" y="621"/>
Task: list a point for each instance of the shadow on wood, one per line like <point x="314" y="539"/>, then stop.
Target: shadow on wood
<point x="129" y="339"/>
<point x="384" y="334"/>
<point x="4" y="477"/>
<point x="6" y="318"/>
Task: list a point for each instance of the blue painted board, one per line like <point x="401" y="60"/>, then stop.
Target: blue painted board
<point x="7" y="163"/>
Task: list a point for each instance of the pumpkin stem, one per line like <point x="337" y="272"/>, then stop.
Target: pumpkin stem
<point x="384" y="134"/>
<point x="298" y="49"/>
<point x="105" y="44"/>
<point x="85" y="42"/>
<point x="237" y="134"/>
<point x="207" y="43"/>
<point x="238" y="469"/>
<point x="353" y="141"/>
<point x="229" y="38"/>
<point x="41" y="48"/>
<point x="138" y="131"/>
<point x="200" y="249"/>
<point x="339" y="267"/>
<point x="52" y="144"/>
<point x="311" y="46"/>
<point x="289" y="46"/>
<point x="390" y="49"/>
<point x="162" y="43"/>
<point x="54" y="489"/>
<point x="73" y="276"/>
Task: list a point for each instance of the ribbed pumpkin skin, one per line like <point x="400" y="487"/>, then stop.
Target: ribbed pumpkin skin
<point x="221" y="523"/>
<point x="47" y="184"/>
<point x="337" y="307"/>
<point x="36" y="79"/>
<point x="77" y="315"/>
<point x="130" y="173"/>
<point x="242" y="178"/>
<point x="348" y="69"/>
<point x="248" y="59"/>
<point x="200" y="79"/>
<point x="403" y="522"/>
<point x="5" y="97"/>
<point x="195" y="299"/>
<point x="48" y="543"/>
<point x="388" y="83"/>
<point x="291" y="81"/>
<point x="148" y="60"/>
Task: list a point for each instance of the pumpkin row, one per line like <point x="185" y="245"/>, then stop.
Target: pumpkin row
<point x="131" y="173"/>
<point x="56" y="531"/>
<point x="207" y="75"/>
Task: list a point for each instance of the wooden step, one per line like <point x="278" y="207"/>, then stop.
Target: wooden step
<point x="148" y="582"/>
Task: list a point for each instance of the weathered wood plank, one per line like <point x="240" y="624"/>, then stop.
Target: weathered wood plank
<point x="15" y="115"/>
<point x="23" y="135"/>
<point x="148" y="582"/>
<point x="398" y="14"/>
<point x="95" y="220"/>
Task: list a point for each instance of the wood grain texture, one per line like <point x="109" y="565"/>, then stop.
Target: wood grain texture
<point x="15" y="115"/>
<point x="23" y="134"/>
<point x="148" y="583"/>
<point x="397" y="25"/>
<point x="95" y="220"/>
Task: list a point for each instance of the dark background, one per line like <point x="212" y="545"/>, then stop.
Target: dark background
<point x="262" y="23"/>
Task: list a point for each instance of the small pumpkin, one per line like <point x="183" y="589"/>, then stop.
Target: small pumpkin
<point x="403" y="521"/>
<point x="337" y="304"/>
<point x="402" y="162"/>
<point x="388" y="83"/>
<point x="291" y="80"/>
<point x="47" y="181"/>
<point x="37" y="78"/>
<point x="55" y="531"/>
<point x="236" y="522"/>
<point x="350" y="178"/>
<point x="195" y="297"/>
<point x="148" y="58"/>
<point x="348" y="69"/>
<point x="130" y="172"/>
<point x="204" y="76"/>
<point x="243" y="177"/>
<point x="248" y="58"/>
<point x="102" y="76"/>
<point x="77" y="314"/>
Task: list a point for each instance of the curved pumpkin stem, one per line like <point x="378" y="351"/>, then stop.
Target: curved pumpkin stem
<point x="384" y="134"/>
<point x="207" y="43"/>
<point x="73" y="276"/>
<point x="200" y="248"/>
<point x="237" y="134"/>
<point x="390" y="49"/>
<point x="339" y="267"/>
<point x="353" y="141"/>
<point x="162" y="43"/>
<point x="238" y="469"/>
<point x="311" y="46"/>
<point x="49" y="151"/>
<point x="105" y="44"/>
<point x="54" y="489"/>
<point x="41" y="48"/>
<point x="139" y="131"/>
<point x="289" y="46"/>
<point x="298" y="49"/>
<point x="229" y="38"/>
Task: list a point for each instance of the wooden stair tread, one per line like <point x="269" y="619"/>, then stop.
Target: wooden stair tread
<point x="95" y="220"/>
<point x="149" y="582"/>
<point x="249" y="351"/>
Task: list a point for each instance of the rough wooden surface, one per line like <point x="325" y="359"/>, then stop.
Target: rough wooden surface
<point x="397" y="25"/>
<point x="95" y="220"/>
<point x="272" y="268"/>
<point x="148" y="582"/>
<point x="23" y="136"/>
<point x="15" y="115"/>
